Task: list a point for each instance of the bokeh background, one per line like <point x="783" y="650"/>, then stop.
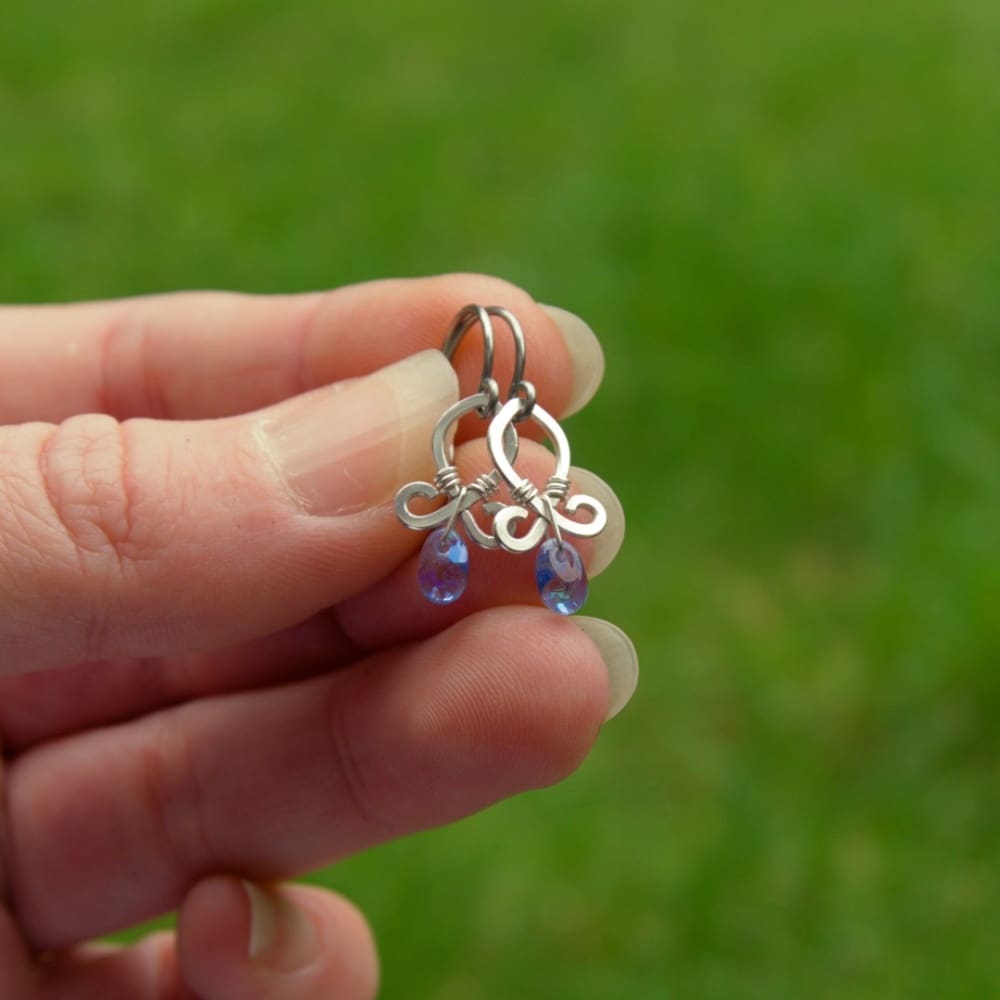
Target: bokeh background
<point x="783" y="219"/>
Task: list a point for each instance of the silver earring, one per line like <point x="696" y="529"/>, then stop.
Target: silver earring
<point x="559" y="570"/>
<point x="444" y="558"/>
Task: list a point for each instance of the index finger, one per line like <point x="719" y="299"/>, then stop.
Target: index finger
<point x="210" y="354"/>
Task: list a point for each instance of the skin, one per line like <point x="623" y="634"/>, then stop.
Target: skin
<point x="239" y="689"/>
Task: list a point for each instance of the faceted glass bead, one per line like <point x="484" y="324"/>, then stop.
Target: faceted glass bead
<point x="444" y="566"/>
<point x="562" y="580"/>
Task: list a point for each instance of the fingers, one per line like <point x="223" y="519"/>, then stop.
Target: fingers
<point x="281" y="781"/>
<point x="44" y="704"/>
<point x="120" y="539"/>
<point x="394" y="610"/>
<point x="211" y="354"/>
<point x="234" y="940"/>
<point x="17" y="971"/>
<point x="146" y="971"/>
<point x="151" y="537"/>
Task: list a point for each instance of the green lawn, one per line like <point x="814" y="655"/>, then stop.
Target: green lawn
<point x="784" y="220"/>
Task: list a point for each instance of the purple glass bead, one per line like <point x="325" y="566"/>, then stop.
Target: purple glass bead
<point x="562" y="580"/>
<point x="444" y="567"/>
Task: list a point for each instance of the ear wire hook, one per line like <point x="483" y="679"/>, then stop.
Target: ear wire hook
<point x="519" y="386"/>
<point x="520" y="348"/>
<point x="464" y="321"/>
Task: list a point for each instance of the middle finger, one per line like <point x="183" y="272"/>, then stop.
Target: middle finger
<point x="110" y="827"/>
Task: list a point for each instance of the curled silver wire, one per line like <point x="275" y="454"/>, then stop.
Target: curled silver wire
<point x="462" y="497"/>
<point x="525" y="392"/>
<point x="524" y="492"/>
<point x="526" y="496"/>
<point x="558" y="488"/>
<point x="447" y="480"/>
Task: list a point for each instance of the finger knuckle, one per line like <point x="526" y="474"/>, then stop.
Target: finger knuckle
<point x="80" y="537"/>
<point x="171" y="787"/>
<point x="353" y="766"/>
<point x="86" y="476"/>
<point x="128" y="372"/>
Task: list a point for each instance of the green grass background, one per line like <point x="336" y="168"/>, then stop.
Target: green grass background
<point x="783" y="219"/>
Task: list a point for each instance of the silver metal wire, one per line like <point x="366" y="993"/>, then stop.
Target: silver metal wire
<point x="557" y="487"/>
<point x="520" y="346"/>
<point x="447" y="481"/>
<point x="467" y="318"/>
<point x="525" y="495"/>
<point x="486" y="485"/>
<point x="524" y="492"/>
<point x="502" y="440"/>
<point x="525" y="392"/>
<point x="550" y="506"/>
<point x="453" y="517"/>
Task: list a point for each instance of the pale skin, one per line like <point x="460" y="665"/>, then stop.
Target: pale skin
<point x="216" y="669"/>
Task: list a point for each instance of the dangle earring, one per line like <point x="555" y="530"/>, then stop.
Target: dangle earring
<point x="444" y="559"/>
<point x="559" y="571"/>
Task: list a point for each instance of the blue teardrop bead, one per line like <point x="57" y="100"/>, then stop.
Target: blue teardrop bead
<point x="444" y="566"/>
<point x="562" y="580"/>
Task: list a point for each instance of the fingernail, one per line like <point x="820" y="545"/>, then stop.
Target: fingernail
<point x="281" y="935"/>
<point x="351" y="445"/>
<point x="605" y="546"/>
<point x="619" y="657"/>
<point x="585" y="353"/>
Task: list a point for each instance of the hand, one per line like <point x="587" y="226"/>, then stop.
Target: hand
<point x="215" y="664"/>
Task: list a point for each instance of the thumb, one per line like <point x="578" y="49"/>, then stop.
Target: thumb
<point x="239" y="939"/>
<point x="147" y="537"/>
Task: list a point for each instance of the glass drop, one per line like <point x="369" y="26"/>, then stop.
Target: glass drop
<point x="561" y="577"/>
<point x="444" y="566"/>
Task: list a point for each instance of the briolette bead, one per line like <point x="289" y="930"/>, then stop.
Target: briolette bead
<point x="561" y="577"/>
<point x="444" y="566"/>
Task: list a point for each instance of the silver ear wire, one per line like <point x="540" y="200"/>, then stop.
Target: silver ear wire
<point x="467" y="318"/>
<point x="517" y="382"/>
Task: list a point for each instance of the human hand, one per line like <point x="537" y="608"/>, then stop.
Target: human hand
<point x="215" y="663"/>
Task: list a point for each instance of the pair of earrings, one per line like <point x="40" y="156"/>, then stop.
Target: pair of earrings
<point x="444" y="559"/>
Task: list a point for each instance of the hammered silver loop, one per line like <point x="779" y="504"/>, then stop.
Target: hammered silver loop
<point x="462" y="497"/>
<point x="525" y="496"/>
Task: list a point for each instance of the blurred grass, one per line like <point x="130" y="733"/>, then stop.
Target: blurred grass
<point x="784" y="220"/>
